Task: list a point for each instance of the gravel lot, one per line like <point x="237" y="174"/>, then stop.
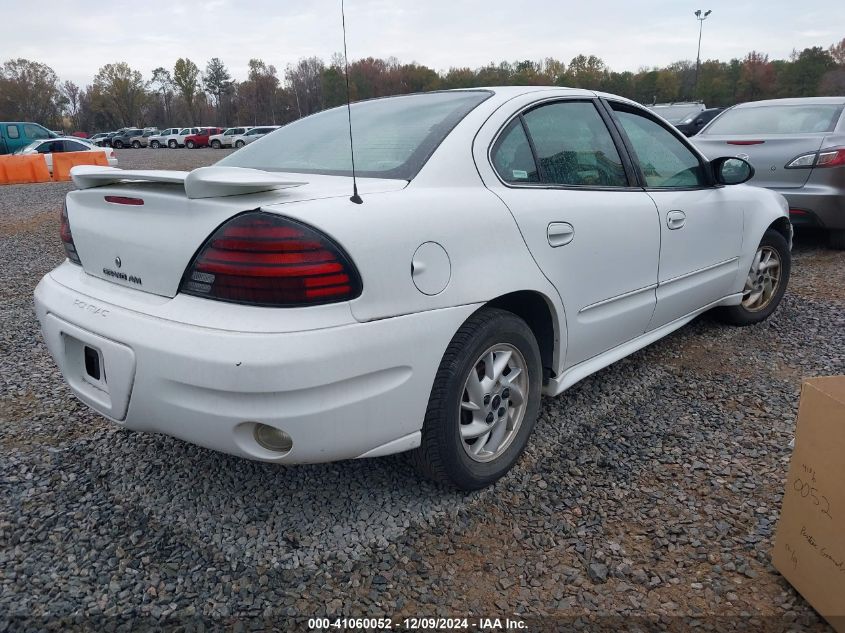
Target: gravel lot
<point x="649" y="490"/>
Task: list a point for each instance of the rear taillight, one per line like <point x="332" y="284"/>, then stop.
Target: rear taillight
<point x="67" y="238"/>
<point x="832" y="157"/>
<point x="136" y="202"/>
<point x="266" y="260"/>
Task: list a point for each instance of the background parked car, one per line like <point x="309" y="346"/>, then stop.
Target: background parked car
<point x="98" y="138"/>
<point x="253" y="135"/>
<point x="132" y="137"/>
<point x="200" y="139"/>
<point x="695" y="122"/>
<point x="48" y="147"/>
<point x="224" y="139"/>
<point x="677" y="112"/>
<point x="160" y="138"/>
<point x="178" y="139"/>
<point x="107" y="139"/>
<point x="797" y="147"/>
<point x="15" y="134"/>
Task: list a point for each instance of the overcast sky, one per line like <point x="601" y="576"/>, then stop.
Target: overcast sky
<point x="76" y="37"/>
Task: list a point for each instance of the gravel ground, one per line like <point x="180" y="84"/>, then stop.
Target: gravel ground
<point x="649" y="493"/>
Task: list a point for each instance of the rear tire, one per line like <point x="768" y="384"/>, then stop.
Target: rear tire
<point x="765" y="285"/>
<point x="450" y="451"/>
<point x="239" y="144"/>
<point x="216" y="144"/>
<point x="837" y="240"/>
<point x="136" y="145"/>
<point x="155" y="144"/>
<point x="118" y="144"/>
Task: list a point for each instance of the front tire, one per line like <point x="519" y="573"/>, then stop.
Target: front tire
<point x="155" y="144"/>
<point x="118" y="144"/>
<point x="189" y="145"/>
<point x="239" y="144"/>
<point x="216" y="144"/>
<point x="483" y="403"/>
<point x="171" y="144"/>
<point x="136" y="145"/>
<point x="765" y="284"/>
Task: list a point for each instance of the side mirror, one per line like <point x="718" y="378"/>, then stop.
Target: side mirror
<point x="730" y="170"/>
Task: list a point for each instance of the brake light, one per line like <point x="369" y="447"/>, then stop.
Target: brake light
<point x="67" y="238"/>
<point x="262" y="259"/>
<point x="832" y="157"/>
<point x="137" y="202"/>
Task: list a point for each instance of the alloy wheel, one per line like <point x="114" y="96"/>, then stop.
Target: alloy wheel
<point x="493" y="401"/>
<point x="763" y="279"/>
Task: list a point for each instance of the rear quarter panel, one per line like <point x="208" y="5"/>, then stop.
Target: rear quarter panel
<point x="487" y="256"/>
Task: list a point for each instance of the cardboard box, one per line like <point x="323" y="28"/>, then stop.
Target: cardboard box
<point x="809" y="545"/>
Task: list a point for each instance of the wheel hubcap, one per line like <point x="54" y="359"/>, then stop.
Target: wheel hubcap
<point x="763" y="279"/>
<point x="492" y="404"/>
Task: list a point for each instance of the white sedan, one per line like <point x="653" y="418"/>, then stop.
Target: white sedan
<point x="51" y="146"/>
<point x="506" y="244"/>
<point x="227" y="137"/>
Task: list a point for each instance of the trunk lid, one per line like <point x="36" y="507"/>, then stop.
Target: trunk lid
<point x="768" y="153"/>
<point x="148" y="246"/>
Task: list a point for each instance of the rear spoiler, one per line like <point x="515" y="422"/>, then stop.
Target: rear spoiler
<point x="205" y="182"/>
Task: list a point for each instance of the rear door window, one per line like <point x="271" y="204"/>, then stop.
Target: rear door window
<point x="73" y="146"/>
<point x="12" y="131"/>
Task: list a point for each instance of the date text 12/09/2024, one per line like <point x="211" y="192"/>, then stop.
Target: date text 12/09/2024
<point x="418" y="624"/>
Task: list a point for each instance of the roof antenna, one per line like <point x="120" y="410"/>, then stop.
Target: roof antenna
<point x="355" y="197"/>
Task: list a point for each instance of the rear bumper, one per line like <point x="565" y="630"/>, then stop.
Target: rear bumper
<point x="355" y="390"/>
<point x="821" y="206"/>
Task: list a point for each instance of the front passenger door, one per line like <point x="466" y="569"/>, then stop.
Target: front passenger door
<point x="700" y="226"/>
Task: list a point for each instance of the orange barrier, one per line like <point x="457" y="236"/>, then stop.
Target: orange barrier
<point x="63" y="161"/>
<point x="15" y="170"/>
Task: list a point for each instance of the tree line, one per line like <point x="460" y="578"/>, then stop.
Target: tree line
<point x="121" y="96"/>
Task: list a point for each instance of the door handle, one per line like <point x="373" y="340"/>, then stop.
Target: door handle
<point x="560" y="234"/>
<point x="676" y="219"/>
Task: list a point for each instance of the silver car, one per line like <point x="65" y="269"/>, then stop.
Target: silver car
<point x="239" y="140"/>
<point x="797" y="147"/>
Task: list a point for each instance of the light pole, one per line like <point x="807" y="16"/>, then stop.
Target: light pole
<point x="700" y="18"/>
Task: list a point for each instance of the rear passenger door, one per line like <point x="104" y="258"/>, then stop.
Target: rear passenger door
<point x="592" y="231"/>
<point x="700" y="223"/>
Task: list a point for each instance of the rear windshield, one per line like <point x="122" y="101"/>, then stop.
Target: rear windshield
<point x="393" y="137"/>
<point x="777" y="119"/>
